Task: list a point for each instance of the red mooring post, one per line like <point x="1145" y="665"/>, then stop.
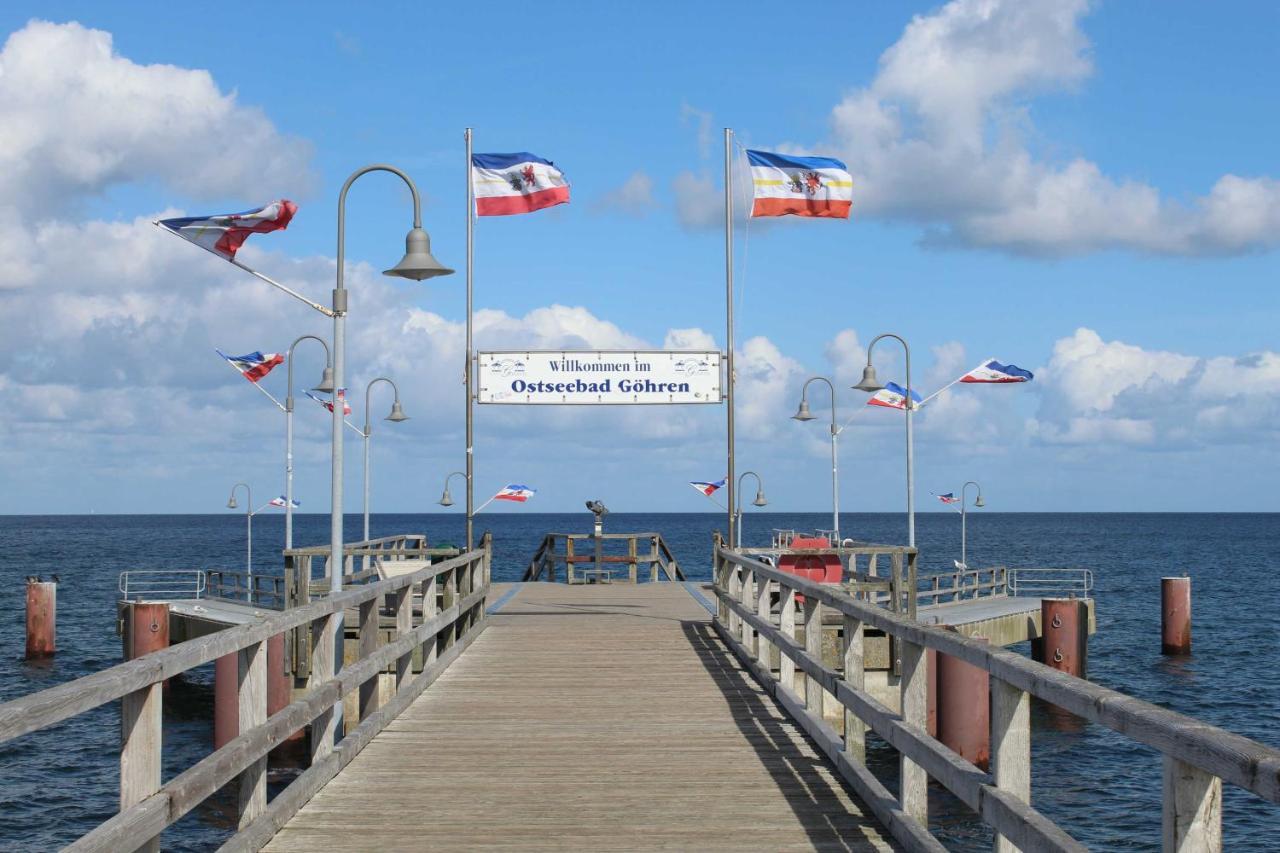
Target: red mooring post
<point x="148" y="628"/>
<point x="1175" y="616"/>
<point x="226" y="699"/>
<point x="1064" y="629"/>
<point x="42" y="619"/>
<point x="964" y="709"/>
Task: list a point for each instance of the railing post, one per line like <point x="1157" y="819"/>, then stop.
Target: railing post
<point x="813" y="645"/>
<point x="855" y="733"/>
<point x="1192" y="809"/>
<point x="631" y="559"/>
<point x="914" y="695"/>
<point x="764" y="607"/>
<point x="430" y="607"/>
<point x="450" y="598"/>
<point x="404" y="624"/>
<point x="368" y="645"/>
<point x="787" y="619"/>
<point x="252" y="695"/>
<point x="324" y="727"/>
<point x="735" y="593"/>
<point x="140" y="724"/>
<point x="1010" y="746"/>
<point x="745" y="599"/>
<point x="913" y="566"/>
<point x="568" y="559"/>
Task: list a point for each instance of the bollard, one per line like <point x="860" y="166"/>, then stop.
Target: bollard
<point x="226" y="699"/>
<point x="964" y="709"/>
<point x="1175" y="616"/>
<point x="42" y="618"/>
<point x="1064" y="629"/>
<point x="147" y="628"/>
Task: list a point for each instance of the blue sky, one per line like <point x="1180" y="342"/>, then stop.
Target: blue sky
<point x="1090" y="195"/>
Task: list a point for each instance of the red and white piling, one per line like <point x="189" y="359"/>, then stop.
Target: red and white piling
<point x="146" y="628"/>
<point x="42" y="618"/>
<point x="964" y="708"/>
<point x="1064" y="635"/>
<point x="1175" y="616"/>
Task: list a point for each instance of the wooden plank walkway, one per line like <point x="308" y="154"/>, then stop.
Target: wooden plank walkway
<point x="595" y="718"/>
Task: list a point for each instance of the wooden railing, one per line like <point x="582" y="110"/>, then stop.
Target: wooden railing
<point x="584" y="558"/>
<point x="1197" y="757"/>
<point x="449" y="618"/>
<point x="892" y="589"/>
<point x="259" y="590"/>
<point x="963" y="584"/>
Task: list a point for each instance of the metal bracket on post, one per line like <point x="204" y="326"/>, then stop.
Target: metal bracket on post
<point x="340" y="301"/>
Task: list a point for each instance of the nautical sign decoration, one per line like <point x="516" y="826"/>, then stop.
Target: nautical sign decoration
<point x="598" y="378"/>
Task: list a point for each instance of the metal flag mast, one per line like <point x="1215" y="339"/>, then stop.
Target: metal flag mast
<point x="728" y="314"/>
<point x="469" y="369"/>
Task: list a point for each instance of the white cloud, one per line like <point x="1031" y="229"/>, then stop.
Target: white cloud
<point x="634" y="197"/>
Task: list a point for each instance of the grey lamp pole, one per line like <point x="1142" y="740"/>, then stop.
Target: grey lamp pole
<point x="870" y="384"/>
<point x="397" y="415"/>
<point x="326" y="384"/>
<point x="417" y="264"/>
<point x="248" y="520"/>
<point x="963" y="506"/>
<point x="759" y="501"/>
<point x="803" y="414"/>
<point x="446" y="499"/>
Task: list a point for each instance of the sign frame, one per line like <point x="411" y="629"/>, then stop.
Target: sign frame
<point x="485" y="394"/>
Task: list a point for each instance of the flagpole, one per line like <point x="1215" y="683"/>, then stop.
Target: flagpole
<point x="486" y="503"/>
<point x="728" y="313"/>
<point x="259" y="387"/>
<point x="469" y="369"/>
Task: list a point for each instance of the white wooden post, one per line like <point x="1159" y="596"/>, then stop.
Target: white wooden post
<point x="764" y="650"/>
<point x="786" y="666"/>
<point x="324" y="727"/>
<point x="404" y="624"/>
<point x="813" y="645"/>
<point x="915" y="782"/>
<point x="746" y="594"/>
<point x="1192" y="809"/>
<point x="855" y="732"/>
<point x="429" y="610"/>
<point x="140" y="726"/>
<point x="735" y="594"/>
<point x="252" y="693"/>
<point x="1010" y="746"/>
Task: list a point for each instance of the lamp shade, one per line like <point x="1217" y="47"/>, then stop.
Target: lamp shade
<point x="397" y="414"/>
<point x="759" y="501"/>
<point x="803" y="413"/>
<point x="869" y="382"/>
<point x="326" y="381"/>
<point x="231" y="504"/>
<point x="979" y="502"/>
<point x="418" y="262"/>
<point x="446" y="499"/>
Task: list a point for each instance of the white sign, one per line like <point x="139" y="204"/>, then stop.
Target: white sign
<point x="598" y="378"/>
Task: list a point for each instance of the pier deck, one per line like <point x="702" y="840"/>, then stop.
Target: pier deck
<point x="589" y="717"/>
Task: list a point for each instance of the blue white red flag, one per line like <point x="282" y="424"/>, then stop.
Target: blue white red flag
<point x="224" y="233"/>
<point x="328" y="404"/>
<point x="282" y="503"/>
<point x="948" y="498"/>
<point x="993" y="372"/>
<point x="255" y="365"/>
<point x="516" y="183"/>
<point x="800" y="186"/>
<point x="708" y="489"/>
<point x="515" y="492"/>
<point x="894" y="396"/>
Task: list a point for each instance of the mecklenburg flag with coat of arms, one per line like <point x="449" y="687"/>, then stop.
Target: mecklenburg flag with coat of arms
<point x="516" y="183"/>
<point x="800" y="186"/>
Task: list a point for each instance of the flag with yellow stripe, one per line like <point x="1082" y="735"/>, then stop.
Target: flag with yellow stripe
<point x="800" y="186"/>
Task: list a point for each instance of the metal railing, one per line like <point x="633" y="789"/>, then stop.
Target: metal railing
<point x="140" y="585"/>
<point x="1051" y="583"/>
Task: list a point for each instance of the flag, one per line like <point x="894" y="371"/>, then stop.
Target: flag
<point x="255" y="365"/>
<point x="328" y="404"/>
<point x="224" y="233"/>
<point x="516" y="183"/>
<point x="893" y="396"/>
<point x="993" y="372"/>
<point x="948" y="498"/>
<point x="515" y="492"/>
<point x="803" y="186"/>
<point x="282" y="503"/>
<point x="708" y="489"/>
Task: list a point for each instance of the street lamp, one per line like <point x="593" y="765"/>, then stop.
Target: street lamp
<point x="417" y="264"/>
<point x="397" y="415"/>
<point x="963" y="506"/>
<point x="870" y="384"/>
<point x="447" y="499"/>
<point x="759" y="501"/>
<point x="803" y="414"/>
<point x="326" y="384"/>
<point x="248" y="519"/>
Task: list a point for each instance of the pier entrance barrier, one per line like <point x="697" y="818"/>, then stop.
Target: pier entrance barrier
<point x="589" y="557"/>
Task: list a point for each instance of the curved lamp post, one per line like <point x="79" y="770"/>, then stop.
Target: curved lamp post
<point x="446" y="499"/>
<point x="326" y="384"/>
<point x="397" y="415"/>
<point x="759" y="501"/>
<point x="803" y="414"/>
<point x="417" y="264"/>
<point x="963" y="506"/>
<point x="248" y="520"/>
<point x="871" y="384"/>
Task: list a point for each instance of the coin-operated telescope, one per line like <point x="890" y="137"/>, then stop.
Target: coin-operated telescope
<point x="599" y="510"/>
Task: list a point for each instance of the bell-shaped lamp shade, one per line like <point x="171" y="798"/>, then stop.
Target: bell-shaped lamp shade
<point x="418" y="262"/>
<point x="803" y="413"/>
<point x="869" y="382"/>
<point x="231" y="504"/>
<point x="979" y="502"/>
<point x="759" y="501"/>
<point x="326" y="381"/>
<point x="446" y="499"/>
<point x="397" y="414"/>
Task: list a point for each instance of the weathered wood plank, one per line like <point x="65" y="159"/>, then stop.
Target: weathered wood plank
<point x="140" y="738"/>
<point x="1010" y="747"/>
<point x="251" y="693"/>
<point x="1192" y="820"/>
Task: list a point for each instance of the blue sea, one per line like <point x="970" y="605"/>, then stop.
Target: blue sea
<point x="1102" y="788"/>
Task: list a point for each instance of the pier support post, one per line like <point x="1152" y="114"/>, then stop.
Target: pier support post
<point x="146" y="628"/>
<point x="1175" y="616"/>
<point x="279" y="682"/>
<point x="1064" y="628"/>
<point x="42" y="619"/>
<point x="1010" y="747"/>
<point x="964" y="709"/>
<point x="1192" y="809"/>
<point x="226" y="702"/>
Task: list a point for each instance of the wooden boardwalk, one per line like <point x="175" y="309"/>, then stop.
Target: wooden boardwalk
<point x="604" y="717"/>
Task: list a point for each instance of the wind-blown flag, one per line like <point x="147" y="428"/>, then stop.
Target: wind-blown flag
<point x="803" y="186"/>
<point x="328" y="404"/>
<point x="255" y="365"/>
<point x="515" y="492"/>
<point x="894" y="396"/>
<point x="708" y="489"/>
<point x="282" y="503"/>
<point x="516" y="183"/>
<point x="993" y="372"/>
<point x="948" y="498"/>
<point x="224" y="233"/>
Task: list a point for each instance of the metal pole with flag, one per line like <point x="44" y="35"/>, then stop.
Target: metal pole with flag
<point x="730" y="483"/>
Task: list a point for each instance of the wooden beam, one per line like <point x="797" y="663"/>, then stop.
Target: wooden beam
<point x="855" y="731"/>
<point x="1192" y="809"/>
<point x="140" y="739"/>
<point x="912" y="687"/>
<point x="252" y="694"/>
<point x="813" y="645"/>
<point x="1010" y="747"/>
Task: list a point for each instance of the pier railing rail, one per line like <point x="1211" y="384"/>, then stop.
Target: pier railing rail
<point x="1197" y="757"/>
<point x="963" y="584"/>
<point x="451" y="615"/>
<point x="586" y="556"/>
<point x="886" y="575"/>
<point x="1051" y="583"/>
<point x="142" y="584"/>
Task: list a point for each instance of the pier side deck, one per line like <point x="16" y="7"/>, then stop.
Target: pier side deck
<point x="597" y="717"/>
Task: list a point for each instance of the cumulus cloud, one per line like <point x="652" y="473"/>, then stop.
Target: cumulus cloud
<point x="633" y="198"/>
